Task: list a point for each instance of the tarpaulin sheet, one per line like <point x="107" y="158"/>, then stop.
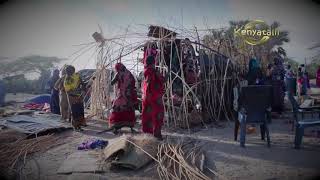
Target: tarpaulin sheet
<point x="34" y="124"/>
<point x="41" y="99"/>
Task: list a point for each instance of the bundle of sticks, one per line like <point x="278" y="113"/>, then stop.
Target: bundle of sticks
<point x="211" y="92"/>
<point x="184" y="159"/>
<point x="12" y="153"/>
<point x="181" y="161"/>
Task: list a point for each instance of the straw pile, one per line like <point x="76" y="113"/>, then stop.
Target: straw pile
<point x="178" y="161"/>
<point x="11" y="153"/>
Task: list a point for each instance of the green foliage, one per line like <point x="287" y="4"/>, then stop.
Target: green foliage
<point x="271" y="48"/>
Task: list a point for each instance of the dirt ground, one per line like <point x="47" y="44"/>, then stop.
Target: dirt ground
<point x="223" y="154"/>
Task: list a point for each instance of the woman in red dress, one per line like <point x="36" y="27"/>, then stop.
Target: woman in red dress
<point x="152" y="105"/>
<point x="126" y="98"/>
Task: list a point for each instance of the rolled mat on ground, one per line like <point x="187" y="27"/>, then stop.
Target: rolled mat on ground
<point x="123" y="152"/>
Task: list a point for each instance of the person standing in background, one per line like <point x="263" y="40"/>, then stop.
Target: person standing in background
<point x="302" y="82"/>
<point x="189" y="62"/>
<point x="278" y="85"/>
<point x="54" y="99"/>
<point x="300" y="90"/>
<point x="64" y="107"/>
<point x="318" y="77"/>
<point x="289" y="75"/>
<point x="305" y="76"/>
<point x="74" y="87"/>
<point x="254" y="75"/>
<point x="289" y="80"/>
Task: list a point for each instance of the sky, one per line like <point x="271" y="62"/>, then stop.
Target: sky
<point x="55" y="27"/>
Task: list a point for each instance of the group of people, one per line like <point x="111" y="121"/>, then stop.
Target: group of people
<point x="301" y="78"/>
<point x="125" y="103"/>
<point x="67" y="94"/>
<point x="282" y="79"/>
<point x="68" y="90"/>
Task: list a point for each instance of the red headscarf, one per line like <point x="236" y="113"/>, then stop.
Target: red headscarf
<point x="154" y="77"/>
<point x="119" y="67"/>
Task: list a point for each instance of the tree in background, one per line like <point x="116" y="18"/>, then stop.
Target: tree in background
<point x="28" y="64"/>
<point x="10" y="70"/>
<point x="294" y="64"/>
<point x="224" y="41"/>
<point x="313" y="66"/>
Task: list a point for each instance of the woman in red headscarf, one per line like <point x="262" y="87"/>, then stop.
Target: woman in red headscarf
<point x="152" y="105"/>
<point x="126" y="98"/>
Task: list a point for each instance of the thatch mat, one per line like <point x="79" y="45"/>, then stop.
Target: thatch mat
<point x="82" y="161"/>
<point x="122" y="153"/>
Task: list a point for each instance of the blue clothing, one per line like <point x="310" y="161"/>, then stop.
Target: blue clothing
<point x="289" y="80"/>
<point x="54" y="102"/>
<point x="253" y="64"/>
<point x="2" y="93"/>
<point x="254" y="76"/>
<point x="93" y="144"/>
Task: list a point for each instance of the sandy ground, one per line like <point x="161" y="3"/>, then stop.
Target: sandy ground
<point x="223" y="154"/>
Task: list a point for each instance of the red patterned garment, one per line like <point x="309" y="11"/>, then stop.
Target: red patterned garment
<point x="150" y="50"/>
<point x="126" y="99"/>
<point x="152" y="105"/>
